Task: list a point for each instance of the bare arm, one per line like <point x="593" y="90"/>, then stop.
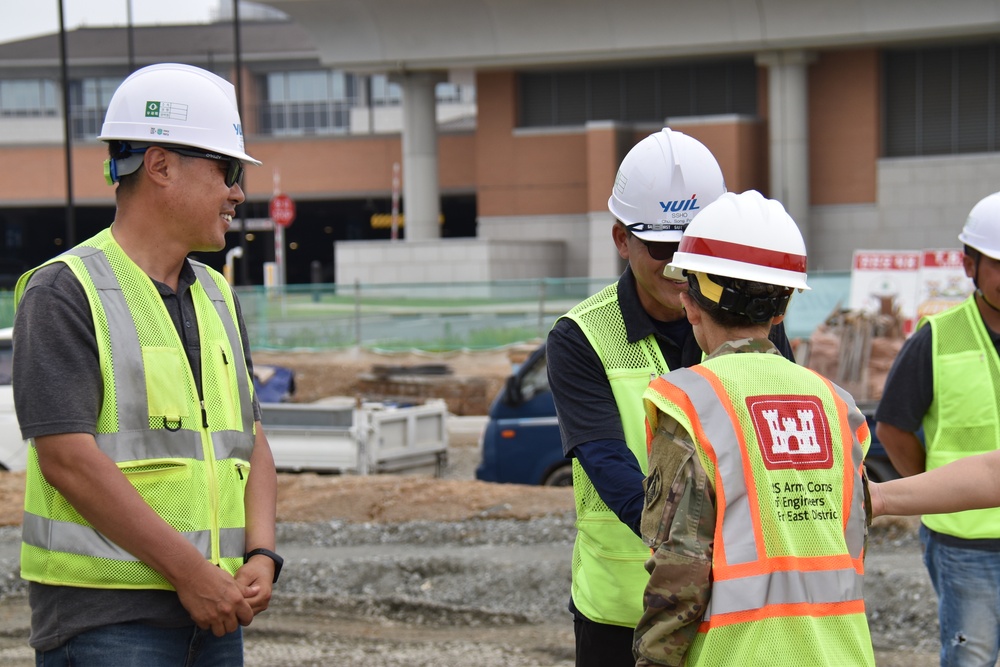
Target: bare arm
<point x="99" y="491"/>
<point x="969" y="483"/>
<point x="260" y="503"/>
<point x="903" y="447"/>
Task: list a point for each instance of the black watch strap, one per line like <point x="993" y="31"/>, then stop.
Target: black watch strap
<point x="278" y="560"/>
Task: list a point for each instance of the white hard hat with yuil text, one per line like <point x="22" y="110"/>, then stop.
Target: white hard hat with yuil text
<point x="663" y="183"/>
<point x="747" y="237"/>
<point x="170" y="103"/>
<point x="982" y="227"/>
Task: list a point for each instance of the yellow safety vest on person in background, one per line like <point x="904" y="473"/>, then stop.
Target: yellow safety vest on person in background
<point x="784" y="450"/>
<point x="187" y="457"/>
<point x="964" y="417"/>
<point x="608" y="570"/>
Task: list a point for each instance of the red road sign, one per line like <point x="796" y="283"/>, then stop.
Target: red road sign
<point x="282" y="210"/>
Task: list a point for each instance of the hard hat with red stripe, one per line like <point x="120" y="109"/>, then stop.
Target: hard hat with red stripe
<point x="748" y="237"/>
<point x="744" y="255"/>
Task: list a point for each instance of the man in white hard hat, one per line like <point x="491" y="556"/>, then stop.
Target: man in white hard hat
<point x="148" y="534"/>
<point x="946" y="381"/>
<point x="754" y="499"/>
<point x="601" y="356"/>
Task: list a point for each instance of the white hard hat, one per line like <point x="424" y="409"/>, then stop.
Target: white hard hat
<point x="982" y="227"/>
<point x="177" y="104"/>
<point x="747" y="237"/>
<point x="663" y="183"/>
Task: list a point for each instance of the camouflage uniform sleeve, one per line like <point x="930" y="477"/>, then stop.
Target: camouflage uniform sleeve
<point x="678" y="524"/>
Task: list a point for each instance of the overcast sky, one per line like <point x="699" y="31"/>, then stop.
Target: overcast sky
<point x="27" y="18"/>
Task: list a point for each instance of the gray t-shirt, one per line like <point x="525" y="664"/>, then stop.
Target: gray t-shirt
<point x="58" y="389"/>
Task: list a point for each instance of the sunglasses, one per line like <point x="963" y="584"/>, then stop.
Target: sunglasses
<point x="660" y="250"/>
<point x="234" y="174"/>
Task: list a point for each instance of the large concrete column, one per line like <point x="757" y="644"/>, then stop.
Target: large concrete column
<point x="421" y="203"/>
<point x="788" y="129"/>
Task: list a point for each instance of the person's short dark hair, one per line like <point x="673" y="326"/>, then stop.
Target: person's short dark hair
<point x="742" y="302"/>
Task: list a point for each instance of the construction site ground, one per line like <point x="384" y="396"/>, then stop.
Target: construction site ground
<point x="418" y="571"/>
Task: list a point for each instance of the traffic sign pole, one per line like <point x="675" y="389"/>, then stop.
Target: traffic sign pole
<point x="282" y="211"/>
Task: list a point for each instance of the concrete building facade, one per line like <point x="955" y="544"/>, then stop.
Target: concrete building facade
<point x="877" y="124"/>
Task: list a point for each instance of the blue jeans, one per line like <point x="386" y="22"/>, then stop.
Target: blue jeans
<point x="967" y="582"/>
<point x="127" y="644"/>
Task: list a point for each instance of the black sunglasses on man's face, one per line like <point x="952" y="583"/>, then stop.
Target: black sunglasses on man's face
<point x="661" y="251"/>
<point x="234" y="174"/>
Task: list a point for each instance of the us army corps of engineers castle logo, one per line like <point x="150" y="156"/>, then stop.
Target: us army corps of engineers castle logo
<point x="792" y="432"/>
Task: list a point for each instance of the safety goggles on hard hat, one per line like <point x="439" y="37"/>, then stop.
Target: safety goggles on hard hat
<point x="114" y="169"/>
<point x="234" y="174"/>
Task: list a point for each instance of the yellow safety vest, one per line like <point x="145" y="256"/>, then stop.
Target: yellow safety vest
<point x="783" y="448"/>
<point x="964" y="416"/>
<point x="608" y="570"/>
<point x="187" y="458"/>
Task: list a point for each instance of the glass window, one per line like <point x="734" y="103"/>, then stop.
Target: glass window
<point x="276" y="88"/>
<point x="385" y="92"/>
<point x="28" y="97"/>
<point x="89" y="99"/>
<point x="308" y="86"/>
<point x="307" y="102"/>
<point x="535" y="380"/>
<point x="448" y="92"/>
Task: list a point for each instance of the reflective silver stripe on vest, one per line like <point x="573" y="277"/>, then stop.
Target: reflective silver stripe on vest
<point x="158" y="444"/>
<point x="740" y="543"/>
<point x="787" y="587"/>
<point x="242" y="373"/>
<point x="73" y="538"/>
<point x="130" y="396"/>
<point x="855" y="529"/>
<point x="232" y="445"/>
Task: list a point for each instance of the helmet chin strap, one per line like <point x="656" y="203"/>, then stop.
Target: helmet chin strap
<point x="979" y="292"/>
<point x="982" y="296"/>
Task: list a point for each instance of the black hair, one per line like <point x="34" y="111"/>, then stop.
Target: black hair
<point x="743" y="302"/>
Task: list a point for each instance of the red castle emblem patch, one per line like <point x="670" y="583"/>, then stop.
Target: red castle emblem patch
<point x="792" y="432"/>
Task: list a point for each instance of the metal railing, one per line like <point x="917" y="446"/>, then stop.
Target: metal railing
<point x="445" y="316"/>
<point x="430" y="316"/>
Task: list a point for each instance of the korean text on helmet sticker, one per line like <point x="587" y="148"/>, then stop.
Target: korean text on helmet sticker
<point x="169" y="110"/>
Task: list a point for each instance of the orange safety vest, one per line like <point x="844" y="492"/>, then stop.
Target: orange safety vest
<point x="784" y="449"/>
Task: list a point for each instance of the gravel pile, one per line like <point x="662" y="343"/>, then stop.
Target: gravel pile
<point x="438" y="593"/>
<point x="469" y="572"/>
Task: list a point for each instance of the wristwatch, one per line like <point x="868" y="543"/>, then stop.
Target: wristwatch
<point x="278" y="560"/>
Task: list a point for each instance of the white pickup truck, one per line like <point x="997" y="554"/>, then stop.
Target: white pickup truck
<point x="340" y="436"/>
<point x="334" y="436"/>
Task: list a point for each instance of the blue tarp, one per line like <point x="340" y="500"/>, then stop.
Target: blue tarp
<point x="273" y="384"/>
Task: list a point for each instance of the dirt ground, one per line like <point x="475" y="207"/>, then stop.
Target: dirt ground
<point x="328" y="628"/>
